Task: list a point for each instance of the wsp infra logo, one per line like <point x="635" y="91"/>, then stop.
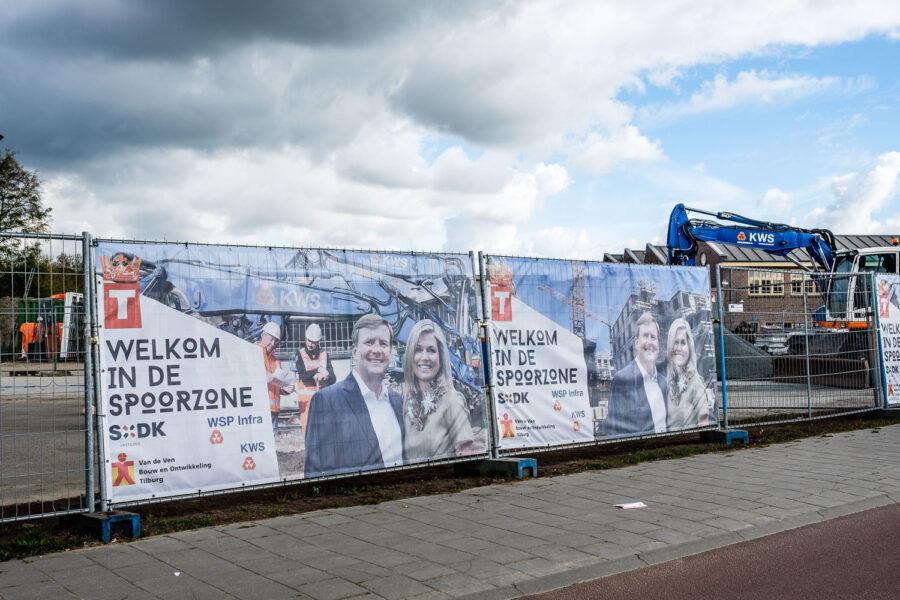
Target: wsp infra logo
<point x="122" y="305"/>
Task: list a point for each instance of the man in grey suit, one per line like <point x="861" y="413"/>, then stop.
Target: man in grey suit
<point x="357" y="424"/>
<point x="637" y="395"/>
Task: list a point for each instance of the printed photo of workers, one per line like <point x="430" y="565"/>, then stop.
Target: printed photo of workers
<point x="278" y="379"/>
<point x="314" y="370"/>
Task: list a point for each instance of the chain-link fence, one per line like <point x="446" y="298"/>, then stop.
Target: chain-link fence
<point x="788" y="358"/>
<point x="45" y="433"/>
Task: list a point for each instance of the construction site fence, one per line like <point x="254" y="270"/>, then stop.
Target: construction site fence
<point x="47" y="428"/>
<point x="781" y="360"/>
<point x="754" y="335"/>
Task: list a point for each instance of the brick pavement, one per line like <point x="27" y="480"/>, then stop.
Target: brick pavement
<point x="495" y="542"/>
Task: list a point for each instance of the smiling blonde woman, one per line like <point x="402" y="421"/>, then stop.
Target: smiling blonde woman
<point x="435" y="414"/>
<point x="685" y="393"/>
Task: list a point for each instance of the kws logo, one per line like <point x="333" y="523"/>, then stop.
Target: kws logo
<point x="757" y="237"/>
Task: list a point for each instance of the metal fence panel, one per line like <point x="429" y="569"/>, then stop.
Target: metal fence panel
<point x="779" y="365"/>
<point x="45" y="435"/>
<point x="233" y="301"/>
<point x="568" y="341"/>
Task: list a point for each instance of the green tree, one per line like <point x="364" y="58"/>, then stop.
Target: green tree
<point x="21" y="208"/>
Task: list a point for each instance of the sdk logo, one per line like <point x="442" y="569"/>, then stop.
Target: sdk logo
<point x="123" y="471"/>
<point x="141" y="430"/>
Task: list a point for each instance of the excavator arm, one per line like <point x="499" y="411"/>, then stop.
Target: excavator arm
<point x="775" y="238"/>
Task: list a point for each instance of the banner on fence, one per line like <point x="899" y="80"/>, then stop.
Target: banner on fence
<point x="223" y="367"/>
<point x="888" y="291"/>
<point x="582" y="351"/>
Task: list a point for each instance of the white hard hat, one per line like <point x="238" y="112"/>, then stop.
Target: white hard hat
<point x="272" y="329"/>
<point x="313" y="333"/>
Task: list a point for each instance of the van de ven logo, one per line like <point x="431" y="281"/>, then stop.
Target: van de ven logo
<point x="123" y="471"/>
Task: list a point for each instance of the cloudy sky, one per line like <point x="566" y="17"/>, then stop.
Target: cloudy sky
<point x="552" y="128"/>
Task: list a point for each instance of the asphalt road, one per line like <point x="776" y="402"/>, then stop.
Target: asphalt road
<point x="849" y="557"/>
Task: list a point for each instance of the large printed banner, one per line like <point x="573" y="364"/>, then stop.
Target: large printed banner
<point x="888" y="291"/>
<point x="223" y="367"/>
<point x="582" y="351"/>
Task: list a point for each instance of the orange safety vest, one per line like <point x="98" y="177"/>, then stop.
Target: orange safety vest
<point x="272" y="365"/>
<point x="305" y="392"/>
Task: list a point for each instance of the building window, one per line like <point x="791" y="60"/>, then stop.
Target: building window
<point x="797" y="285"/>
<point x="763" y="283"/>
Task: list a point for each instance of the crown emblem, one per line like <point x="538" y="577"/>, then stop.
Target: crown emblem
<point x="500" y="275"/>
<point x="121" y="267"/>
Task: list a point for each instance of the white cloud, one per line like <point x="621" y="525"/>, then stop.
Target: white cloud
<point x="599" y="154"/>
<point x="748" y="87"/>
<point x="566" y="242"/>
<point x="698" y="189"/>
<point x="283" y="197"/>
<point x="306" y="125"/>
<point x="859" y="199"/>
<point x="776" y="202"/>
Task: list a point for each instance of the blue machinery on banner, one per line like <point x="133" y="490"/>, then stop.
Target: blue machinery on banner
<point x="224" y="367"/>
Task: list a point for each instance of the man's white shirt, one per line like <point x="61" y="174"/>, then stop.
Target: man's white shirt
<point x="655" y="398"/>
<point x="384" y="420"/>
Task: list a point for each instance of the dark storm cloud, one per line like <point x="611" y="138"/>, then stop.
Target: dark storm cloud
<point x="80" y="79"/>
<point x="462" y="104"/>
<point x="173" y="29"/>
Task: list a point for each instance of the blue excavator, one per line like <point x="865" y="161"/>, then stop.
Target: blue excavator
<point x="848" y="299"/>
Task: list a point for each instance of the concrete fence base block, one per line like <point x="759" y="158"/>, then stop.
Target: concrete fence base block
<point x="514" y="467"/>
<point x="889" y="413"/>
<point x="725" y="436"/>
<point x="103" y="525"/>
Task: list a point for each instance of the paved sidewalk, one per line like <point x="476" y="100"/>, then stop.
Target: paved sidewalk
<point x="501" y="541"/>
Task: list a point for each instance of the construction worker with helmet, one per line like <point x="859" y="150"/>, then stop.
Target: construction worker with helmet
<point x="314" y="370"/>
<point x="277" y="377"/>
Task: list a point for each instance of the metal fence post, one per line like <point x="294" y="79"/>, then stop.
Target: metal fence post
<point x="806" y="345"/>
<point x="722" y="345"/>
<point x="486" y="332"/>
<point x="95" y="354"/>
<point x="877" y="349"/>
<point x="88" y="372"/>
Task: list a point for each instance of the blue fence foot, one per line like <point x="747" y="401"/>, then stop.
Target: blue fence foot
<point x="725" y="436"/>
<point x="513" y="467"/>
<point x="102" y="525"/>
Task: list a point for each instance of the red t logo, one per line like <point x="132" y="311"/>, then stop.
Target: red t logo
<point x="121" y="305"/>
<point x="501" y="303"/>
